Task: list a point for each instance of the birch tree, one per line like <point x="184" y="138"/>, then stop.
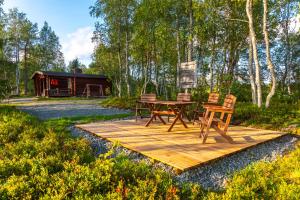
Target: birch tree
<point x="251" y="74"/>
<point x="15" y="23"/>
<point x="269" y="61"/>
<point x="249" y="11"/>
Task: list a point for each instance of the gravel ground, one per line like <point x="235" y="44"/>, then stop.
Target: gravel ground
<point x="213" y="175"/>
<point x="68" y="109"/>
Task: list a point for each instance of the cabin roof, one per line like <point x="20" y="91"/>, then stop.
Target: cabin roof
<point x="66" y="74"/>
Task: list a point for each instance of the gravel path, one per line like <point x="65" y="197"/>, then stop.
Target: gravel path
<point x="68" y="109"/>
<point x="213" y="175"/>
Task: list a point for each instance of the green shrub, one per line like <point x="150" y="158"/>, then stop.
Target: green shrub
<point x="277" y="116"/>
<point x="5" y="89"/>
<point x="44" y="161"/>
<point x="123" y="103"/>
<point x="41" y="160"/>
<point x="276" y="180"/>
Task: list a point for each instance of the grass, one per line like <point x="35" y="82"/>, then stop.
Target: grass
<point x="62" y="123"/>
<point x="122" y="103"/>
<point x="66" y="98"/>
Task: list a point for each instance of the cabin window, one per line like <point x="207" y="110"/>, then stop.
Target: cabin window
<point x="54" y="82"/>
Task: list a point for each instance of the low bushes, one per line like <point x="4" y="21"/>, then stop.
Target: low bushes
<point x="39" y="160"/>
<point x="123" y="103"/>
<point x="276" y="180"/>
<point x="36" y="161"/>
<point x="278" y="116"/>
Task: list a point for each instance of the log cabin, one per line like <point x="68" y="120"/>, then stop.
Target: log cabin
<point x="63" y="84"/>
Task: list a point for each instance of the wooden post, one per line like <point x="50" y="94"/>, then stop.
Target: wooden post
<point x="74" y="94"/>
<point x="47" y="86"/>
<point x="88" y="91"/>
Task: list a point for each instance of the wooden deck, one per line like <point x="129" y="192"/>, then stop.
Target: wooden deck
<point x="182" y="148"/>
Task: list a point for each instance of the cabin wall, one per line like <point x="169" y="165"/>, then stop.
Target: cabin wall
<point x="81" y="83"/>
<point x="69" y="86"/>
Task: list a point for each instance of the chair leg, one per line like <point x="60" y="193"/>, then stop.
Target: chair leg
<point x="201" y="130"/>
<point x="227" y="122"/>
<point x="205" y="135"/>
<point x="223" y="134"/>
<point x="208" y="125"/>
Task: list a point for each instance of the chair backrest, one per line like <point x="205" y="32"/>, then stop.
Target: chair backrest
<point x="183" y="97"/>
<point x="229" y="101"/>
<point x="148" y="97"/>
<point x="213" y="97"/>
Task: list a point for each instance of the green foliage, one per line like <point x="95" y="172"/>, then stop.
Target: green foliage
<point x="39" y="160"/>
<point x="5" y="89"/>
<point x="24" y="49"/>
<point x="62" y="123"/>
<point x="124" y="102"/>
<point x="276" y="180"/>
<point x="277" y="116"/>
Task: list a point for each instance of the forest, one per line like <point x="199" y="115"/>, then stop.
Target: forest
<point x="241" y="47"/>
<point x="248" y="48"/>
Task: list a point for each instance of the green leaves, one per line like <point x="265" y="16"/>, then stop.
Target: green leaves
<point x="43" y="161"/>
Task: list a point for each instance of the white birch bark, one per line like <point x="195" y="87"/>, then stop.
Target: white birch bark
<point x="251" y="74"/>
<point x="269" y="61"/>
<point x="255" y="54"/>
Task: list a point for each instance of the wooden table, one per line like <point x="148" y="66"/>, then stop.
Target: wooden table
<point x="176" y="108"/>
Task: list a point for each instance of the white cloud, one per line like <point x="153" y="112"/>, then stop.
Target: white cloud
<point x="79" y="45"/>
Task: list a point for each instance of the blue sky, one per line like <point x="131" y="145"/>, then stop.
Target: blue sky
<point x="69" y="19"/>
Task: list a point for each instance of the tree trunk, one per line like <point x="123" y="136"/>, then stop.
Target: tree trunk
<point x="269" y="61"/>
<point x="120" y="76"/>
<point x="191" y="25"/>
<point x="178" y="53"/>
<point x="255" y="55"/>
<point x="120" y="64"/>
<point x="146" y="72"/>
<point x="251" y="74"/>
<point x="287" y="49"/>
<point x="127" y="65"/>
<point x="17" y="71"/>
<point x="211" y="67"/>
<point x="25" y="70"/>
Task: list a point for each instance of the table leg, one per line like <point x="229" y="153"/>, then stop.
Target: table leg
<point x="150" y="120"/>
<point x="178" y="117"/>
<point x="154" y="115"/>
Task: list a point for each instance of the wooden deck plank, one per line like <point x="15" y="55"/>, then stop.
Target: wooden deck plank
<point x="182" y="148"/>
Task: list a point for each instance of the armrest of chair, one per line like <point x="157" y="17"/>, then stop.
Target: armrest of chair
<point x="209" y="104"/>
<point x="219" y="109"/>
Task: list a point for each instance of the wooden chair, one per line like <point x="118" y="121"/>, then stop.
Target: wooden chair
<point x="211" y="121"/>
<point x="141" y="104"/>
<point x="213" y="99"/>
<point x="183" y="97"/>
